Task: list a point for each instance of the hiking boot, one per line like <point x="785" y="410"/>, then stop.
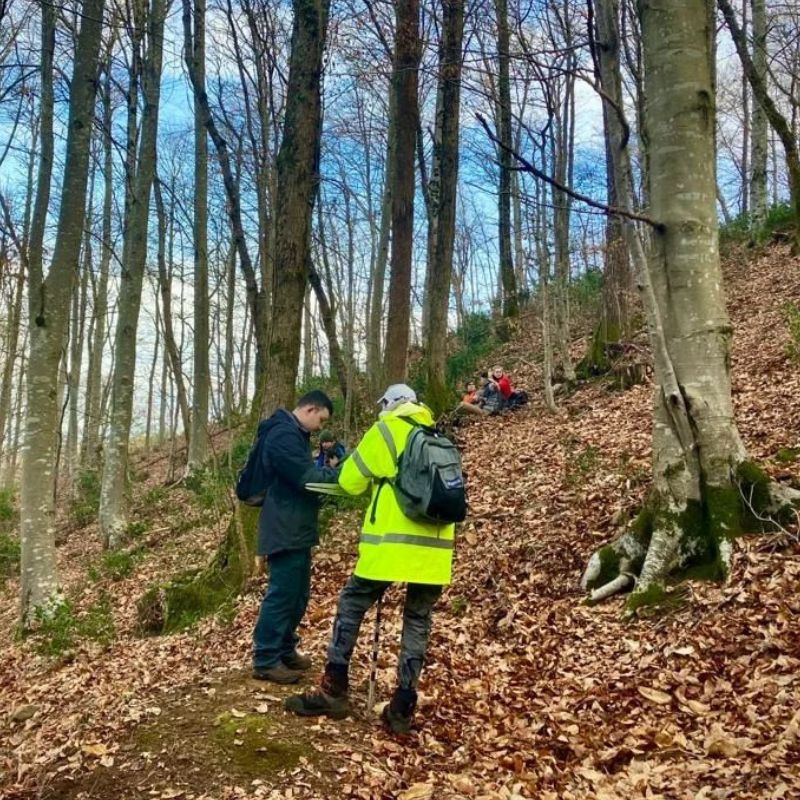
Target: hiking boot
<point x="280" y="673"/>
<point x="330" y="700"/>
<point x="397" y="714"/>
<point x="297" y="661"/>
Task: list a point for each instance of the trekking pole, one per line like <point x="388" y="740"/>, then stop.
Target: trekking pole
<point x="373" y="674"/>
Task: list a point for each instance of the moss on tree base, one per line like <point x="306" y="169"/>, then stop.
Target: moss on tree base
<point x="707" y="527"/>
<point x="192" y="595"/>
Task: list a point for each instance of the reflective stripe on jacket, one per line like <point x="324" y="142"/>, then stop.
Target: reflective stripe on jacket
<point x="394" y="547"/>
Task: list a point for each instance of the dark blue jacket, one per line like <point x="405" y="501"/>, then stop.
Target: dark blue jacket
<point x="337" y="450"/>
<point x="288" y="519"/>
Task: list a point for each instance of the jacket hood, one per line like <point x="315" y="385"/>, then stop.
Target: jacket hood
<point x="419" y="412"/>
<point x="280" y="416"/>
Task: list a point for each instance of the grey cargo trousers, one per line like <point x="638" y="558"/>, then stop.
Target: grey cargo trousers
<point x="357" y="597"/>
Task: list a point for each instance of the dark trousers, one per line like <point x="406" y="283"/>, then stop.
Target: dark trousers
<point x="283" y="607"/>
<point x="357" y="597"/>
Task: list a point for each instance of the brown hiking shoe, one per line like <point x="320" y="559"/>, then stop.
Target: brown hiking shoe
<point x="330" y="700"/>
<point x="280" y="673"/>
<point x="297" y="661"/>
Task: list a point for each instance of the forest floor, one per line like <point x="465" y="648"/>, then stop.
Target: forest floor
<point x="528" y="693"/>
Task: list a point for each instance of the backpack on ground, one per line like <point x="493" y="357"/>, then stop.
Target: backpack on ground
<point x="429" y="485"/>
<point x="517" y="399"/>
<point x="255" y="476"/>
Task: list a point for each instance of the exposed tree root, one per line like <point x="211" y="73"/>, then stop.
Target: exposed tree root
<point x="669" y="542"/>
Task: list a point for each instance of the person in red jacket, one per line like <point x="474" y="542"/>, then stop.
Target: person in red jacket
<point x="501" y="380"/>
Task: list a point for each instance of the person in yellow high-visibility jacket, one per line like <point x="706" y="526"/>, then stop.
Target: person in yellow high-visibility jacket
<point x="392" y="549"/>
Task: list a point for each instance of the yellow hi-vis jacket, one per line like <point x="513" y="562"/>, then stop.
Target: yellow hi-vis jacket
<point x="394" y="547"/>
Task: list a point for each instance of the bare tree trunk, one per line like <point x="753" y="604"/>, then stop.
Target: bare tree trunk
<point x="701" y="469"/>
<point x="230" y="296"/>
<point x="443" y="201"/>
<point x="9" y="476"/>
<point x="14" y="322"/>
<point x="113" y="513"/>
<point x="778" y="121"/>
<point x="80" y="298"/>
<point x="256" y="297"/>
<point x="195" y="55"/>
<point x="562" y="151"/>
<point x="617" y="284"/>
<point x="171" y="351"/>
<point x="94" y="380"/>
<point x="404" y="89"/>
<point x="759" y="143"/>
<point x="298" y="183"/>
<point x="151" y="379"/>
<point x="374" y="350"/>
<point x="510" y="301"/>
<point x="543" y="257"/>
<point x="745" y="205"/>
<point x="49" y="312"/>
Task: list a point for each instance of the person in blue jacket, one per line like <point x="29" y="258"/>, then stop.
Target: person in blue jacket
<point x="287" y="530"/>
<point x="331" y="452"/>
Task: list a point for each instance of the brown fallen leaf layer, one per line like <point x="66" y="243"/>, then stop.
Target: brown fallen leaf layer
<point x="528" y="693"/>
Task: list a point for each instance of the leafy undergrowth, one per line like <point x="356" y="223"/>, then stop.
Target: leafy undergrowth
<point x="528" y="692"/>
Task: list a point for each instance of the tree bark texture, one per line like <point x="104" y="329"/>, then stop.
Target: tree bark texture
<point x="113" y="512"/>
<point x="404" y="88"/>
<point x="510" y="300"/>
<point x="298" y="184"/>
<point x="701" y="470"/>
<point x="94" y="380"/>
<point x="48" y="315"/>
<point x="443" y="200"/>
<point x="758" y="130"/>
<point x="195" y="53"/>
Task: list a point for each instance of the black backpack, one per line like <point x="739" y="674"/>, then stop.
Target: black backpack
<point x="255" y="476"/>
<point x="429" y="485"/>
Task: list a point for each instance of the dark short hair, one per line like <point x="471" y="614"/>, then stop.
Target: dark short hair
<point x="316" y="398"/>
<point x="484" y="375"/>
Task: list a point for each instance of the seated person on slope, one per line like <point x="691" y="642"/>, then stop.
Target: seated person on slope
<point x="487" y="400"/>
<point x="511" y="399"/>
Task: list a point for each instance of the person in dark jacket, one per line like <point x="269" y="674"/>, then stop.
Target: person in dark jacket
<point x="287" y="530"/>
<point x="331" y="452"/>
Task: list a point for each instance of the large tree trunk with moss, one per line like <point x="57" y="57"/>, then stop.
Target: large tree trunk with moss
<point x="48" y="306"/>
<point x="113" y="510"/>
<point x="171" y="606"/>
<point x="298" y="183"/>
<point x="704" y="487"/>
<point x="443" y="200"/>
